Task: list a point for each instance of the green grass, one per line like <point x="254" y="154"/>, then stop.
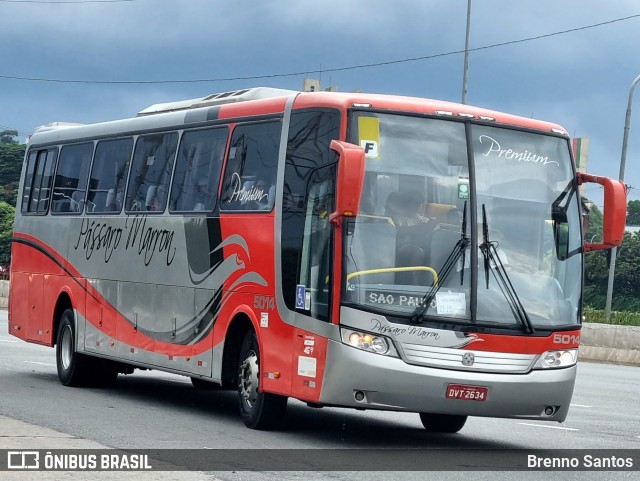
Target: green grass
<point x="622" y="318"/>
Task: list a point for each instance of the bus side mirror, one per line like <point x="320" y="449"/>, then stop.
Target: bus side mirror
<point x="350" y="179"/>
<point x="614" y="216"/>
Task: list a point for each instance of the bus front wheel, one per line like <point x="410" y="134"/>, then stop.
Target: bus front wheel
<point x="259" y="410"/>
<point x="442" y="423"/>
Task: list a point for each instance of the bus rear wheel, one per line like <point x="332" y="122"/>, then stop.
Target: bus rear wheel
<point x="75" y="369"/>
<point x="442" y="423"/>
<point x="259" y="410"/>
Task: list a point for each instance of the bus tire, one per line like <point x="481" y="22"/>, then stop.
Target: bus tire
<point x="73" y="367"/>
<point x="259" y="410"/>
<point x="442" y="423"/>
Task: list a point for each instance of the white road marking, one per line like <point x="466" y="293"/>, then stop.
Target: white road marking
<point x="549" y="427"/>
<point x="580" y="406"/>
<point x="8" y="340"/>
<point x="39" y="363"/>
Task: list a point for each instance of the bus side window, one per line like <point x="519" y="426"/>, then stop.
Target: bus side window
<point x="151" y="172"/>
<point x="71" y="179"/>
<point x="197" y="172"/>
<point x="250" y="174"/>
<point x="37" y="188"/>
<point x="28" y="181"/>
<point x="108" y="175"/>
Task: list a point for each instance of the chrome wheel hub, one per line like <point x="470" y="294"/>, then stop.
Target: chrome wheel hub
<point x="66" y="348"/>
<point x="249" y="379"/>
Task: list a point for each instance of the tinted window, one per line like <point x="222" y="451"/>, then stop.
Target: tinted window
<point x="250" y="176"/>
<point x="148" y="188"/>
<point x="195" y="182"/>
<point x="71" y="178"/>
<point x="315" y="263"/>
<point x="310" y="134"/>
<point x="108" y="175"/>
<point x="38" y="180"/>
<point x="28" y="180"/>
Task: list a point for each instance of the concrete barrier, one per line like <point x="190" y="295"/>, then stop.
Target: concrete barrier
<point x="610" y="343"/>
<point x="599" y="342"/>
<point x="4" y="294"/>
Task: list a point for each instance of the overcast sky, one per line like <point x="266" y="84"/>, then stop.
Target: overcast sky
<point x="579" y="79"/>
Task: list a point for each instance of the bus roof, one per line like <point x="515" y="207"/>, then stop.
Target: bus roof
<point x="422" y="106"/>
<point x="264" y="101"/>
<point x="234" y="96"/>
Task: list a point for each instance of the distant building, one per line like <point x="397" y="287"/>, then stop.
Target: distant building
<point x="313" y="85"/>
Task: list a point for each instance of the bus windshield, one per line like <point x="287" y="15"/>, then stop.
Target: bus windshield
<point x="516" y="261"/>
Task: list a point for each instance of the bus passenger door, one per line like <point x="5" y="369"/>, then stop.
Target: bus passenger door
<point x="314" y="286"/>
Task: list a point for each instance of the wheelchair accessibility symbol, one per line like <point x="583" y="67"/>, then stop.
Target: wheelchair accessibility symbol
<point x="300" y="296"/>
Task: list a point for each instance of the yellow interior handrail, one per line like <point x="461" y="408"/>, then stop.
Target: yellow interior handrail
<point x="396" y="269"/>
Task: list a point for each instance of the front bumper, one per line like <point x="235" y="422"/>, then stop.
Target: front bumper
<point x="391" y="384"/>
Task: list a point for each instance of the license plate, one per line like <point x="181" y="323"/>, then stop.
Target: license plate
<point x="470" y="393"/>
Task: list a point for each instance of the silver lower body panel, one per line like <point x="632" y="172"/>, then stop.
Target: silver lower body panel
<point x="391" y="384"/>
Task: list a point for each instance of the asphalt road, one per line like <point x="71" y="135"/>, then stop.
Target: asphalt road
<point x="156" y="410"/>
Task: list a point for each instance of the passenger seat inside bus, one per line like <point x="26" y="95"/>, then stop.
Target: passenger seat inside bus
<point x="201" y="195"/>
<point x="265" y="202"/>
<point x="443" y="240"/>
<point x="113" y="202"/>
<point x="155" y="198"/>
<point x="61" y="203"/>
<point x="413" y="234"/>
<point x="77" y="201"/>
<point x="372" y="246"/>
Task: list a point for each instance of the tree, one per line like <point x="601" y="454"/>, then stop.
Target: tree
<point x="633" y="212"/>
<point x="626" y="292"/>
<point x="7" y="137"/>
<point x="6" y="232"/>
<point x="9" y="193"/>
<point x="11" y="155"/>
<point x="627" y="277"/>
<point x="595" y="224"/>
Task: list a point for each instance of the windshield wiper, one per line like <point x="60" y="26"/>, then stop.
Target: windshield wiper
<point x="492" y="259"/>
<point x="458" y="252"/>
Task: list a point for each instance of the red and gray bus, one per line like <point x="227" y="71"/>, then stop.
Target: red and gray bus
<point x="343" y="249"/>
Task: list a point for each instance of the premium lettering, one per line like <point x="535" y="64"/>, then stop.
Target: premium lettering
<point x="521" y="156"/>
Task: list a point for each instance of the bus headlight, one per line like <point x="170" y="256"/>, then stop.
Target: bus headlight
<point x="368" y="342"/>
<point x="556" y="359"/>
